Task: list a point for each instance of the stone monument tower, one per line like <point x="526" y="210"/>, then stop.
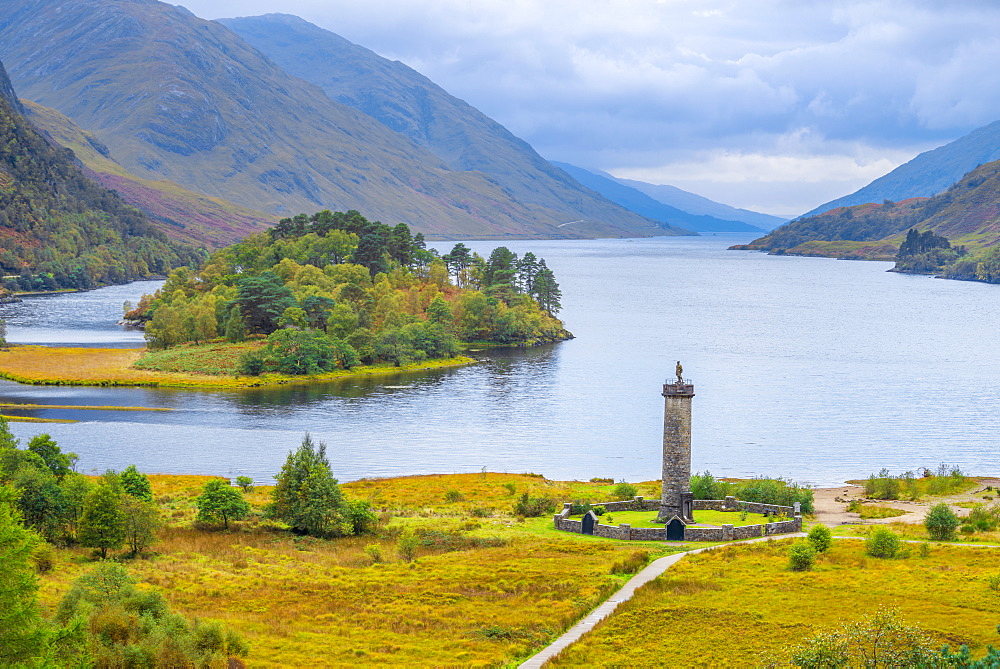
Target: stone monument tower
<point x="677" y="500"/>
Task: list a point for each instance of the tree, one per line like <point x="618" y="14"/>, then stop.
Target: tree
<point x="141" y="520"/>
<point x="300" y="351"/>
<point x="102" y="524"/>
<point x="59" y="463"/>
<point x="881" y="640"/>
<point x="219" y="501"/>
<point x="41" y="501"/>
<point x="821" y="538"/>
<point x="882" y="543"/>
<point x="306" y="496"/>
<point x="546" y="290"/>
<point x="801" y="555"/>
<point x="7" y="438"/>
<point x="136" y="484"/>
<point x="941" y="522"/>
<point x="3" y="331"/>
<point x="439" y="312"/>
<point x="263" y="299"/>
<point x="22" y="631"/>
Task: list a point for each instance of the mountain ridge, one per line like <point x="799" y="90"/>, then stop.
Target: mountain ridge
<point x="179" y="98"/>
<point x="929" y="173"/>
<point x="409" y="103"/>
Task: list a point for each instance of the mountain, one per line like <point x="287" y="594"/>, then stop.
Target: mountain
<point x="181" y="214"/>
<point x="967" y="214"/>
<point x="930" y="172"/>
<point x="178" y="98"/>
<point x="59" y="229"/>
<point x="696" y="204"/>
<point x="640" y="203"/>
<point x="409" y="103"/>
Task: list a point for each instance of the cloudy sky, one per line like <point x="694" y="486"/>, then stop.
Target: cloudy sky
<point x="772" y="105"/>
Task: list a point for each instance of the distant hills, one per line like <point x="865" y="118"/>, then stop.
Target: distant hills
<point x="967" y="214"/>
<point x="177" y="98"/>
<point x="696" y="204"/>
<point x="60" y="229"/>
<point x="634" y="200"/>
<point x="929" y="173"/>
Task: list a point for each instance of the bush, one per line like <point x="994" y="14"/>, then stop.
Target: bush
<point x="941" y="522"/>
<point x="532" y="507"/>
<point x="624" y="490"/>
<point x="374" y="553"/>
<point x="883" y="486"/>
<point x="882" y="640"/>
<point x="706" y="486"/>
<point x="882" y="543"/>
<point x="453" y="496"/>
<point x="984" y="519"/>
<point x="821" y="538"/>
<point x="407" y="546"/>
<point x="967" y="528"/>
<point x="775" y="491"/>
<point x="801" y="555"/>
<point x="245" y="483"/>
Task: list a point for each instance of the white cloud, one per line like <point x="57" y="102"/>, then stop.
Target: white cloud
<point x="635" y="84"/>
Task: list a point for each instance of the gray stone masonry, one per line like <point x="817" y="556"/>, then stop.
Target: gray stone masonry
<point x="676" y="449"/>
<point x="626" y="532"/>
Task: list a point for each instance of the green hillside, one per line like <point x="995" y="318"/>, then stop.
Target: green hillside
<point x="59" y="229"/>
<point x="967" y="215"/>
<point x="178" y="98"/>
<point x="181" y="214"/>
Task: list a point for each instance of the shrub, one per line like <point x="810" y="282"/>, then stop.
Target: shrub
<point x="882" y="543"/>
<point x="374" y="553"/>
<point x="510" y="488"/>
<point x="44" y="558"/>
<point x="967" y="528"/>
<point x="407" y="546"/>
<point x="883" y="486"/>
<point x="984" y="519"/>
<point x="882" y="640"/>
<point x="532" y="507"/>
<point x="482" y="512"/>
<point x="624" y="490"/>
<point x="993" y="581"/>
<point x="941" y="522"/>
<point x="600" y="480"/>
<point x="821" y="538"/>
<point x="775" y="491"/>
<point x="706" y="486"/>
<point x="453" y="496"/>
<point x="801" y="555"/>
<point x="245" y="483"/>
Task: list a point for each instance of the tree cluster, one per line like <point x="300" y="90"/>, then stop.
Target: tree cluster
<point x="66" y="508"/>
<point x="333" y="289"/>
<point x="63" y="230"/>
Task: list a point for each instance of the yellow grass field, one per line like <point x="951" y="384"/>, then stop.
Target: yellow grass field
<point x="741" y="606"/>
<point x="483" y="591"/>
<point x="50" y="365"/>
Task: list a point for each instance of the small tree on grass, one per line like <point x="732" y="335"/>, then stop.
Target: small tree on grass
<point x="882" y="543"/>
<point x="624" y="490"/>
<point x="821" y="538"/>
<point x="941" y="522"/>
<point x="245" y="483"/>
<point x="136" y="484"/>
<point x="142" y="519"/>
<point x="801" y="556"/>
<point x="306" y="496"/>
<point x="218" y="501"/>
<point x="102" y="524"/>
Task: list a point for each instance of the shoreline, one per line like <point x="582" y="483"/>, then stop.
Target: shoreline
<point x="111" y="367"/>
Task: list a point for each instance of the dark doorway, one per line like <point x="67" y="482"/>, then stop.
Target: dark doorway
<point x="588" y="523"/>
<point x="675" y="530"/>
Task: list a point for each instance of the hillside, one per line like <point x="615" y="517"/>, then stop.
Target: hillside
<point x="179" y="213"/>
<point x="409" y="103"/>
<point x="634" y="200"/>
<point x="929" y="173"/>
<point x="696" y="204"/>
<point x="59" y="229"/>
<point x="179" y="98"/>
<point x="967" y="214"/>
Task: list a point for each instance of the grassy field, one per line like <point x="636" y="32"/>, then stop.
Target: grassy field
<point x="741" y="606"/>
<point x="182" y="367"/>
<point x="485" y="588"/>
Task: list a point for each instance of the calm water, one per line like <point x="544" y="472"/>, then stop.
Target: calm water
<point x="819" y="370"/>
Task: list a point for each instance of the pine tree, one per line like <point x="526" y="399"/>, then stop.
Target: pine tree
<point x="306" y="496"/>
<point x="22" y="631"/>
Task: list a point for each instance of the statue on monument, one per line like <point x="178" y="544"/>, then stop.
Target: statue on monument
<point x="680" y="373"/>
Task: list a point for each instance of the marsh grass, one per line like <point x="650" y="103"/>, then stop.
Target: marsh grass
<point x="478" y="591"/>
<point x="750" y="589"/>
<point x="178" y="367"/>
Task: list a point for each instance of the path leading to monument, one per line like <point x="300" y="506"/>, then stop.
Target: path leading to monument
<point x="652" y="570"/>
